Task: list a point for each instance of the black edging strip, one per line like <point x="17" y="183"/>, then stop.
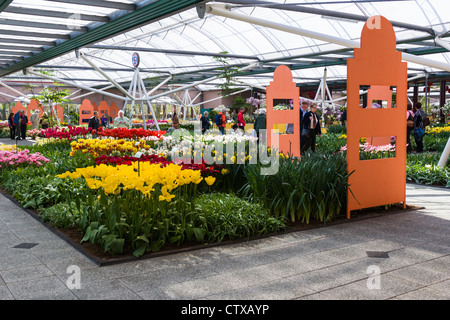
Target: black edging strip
<point x="102" y="262"/>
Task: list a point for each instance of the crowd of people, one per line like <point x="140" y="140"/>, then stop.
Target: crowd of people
<point x="310" y="126"/>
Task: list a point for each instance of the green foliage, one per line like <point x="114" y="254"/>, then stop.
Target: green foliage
<point x="330" y="143"/>
<point x="227" y="73"/>
<point x="339" y="129"/>
<point x="230" y="217"/>
<point x="422" y="168"/>
<point x="313" y="188"/>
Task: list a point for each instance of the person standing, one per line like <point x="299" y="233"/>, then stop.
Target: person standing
<point x="44" y="121"/>
<point x="121" y="121"/>
<point x="221" y="122"/>
<point x="419" y="126"/>
<point x="12" y="125"/>
<point x="175" y="121"/>
<point x="409" y="126"/>
<point x="104" y="120"/>
<point x="260" y="122"/>
<point x="17" y="120"/>
<point x="94" y="122"/>
<point x="303" y="111"/>
<point x="310" y="129"/>
<point x="34" y="119"/>
<point x="241" y="120"/>
<point x="23" y="125"/>
<point x="204" y="121"/>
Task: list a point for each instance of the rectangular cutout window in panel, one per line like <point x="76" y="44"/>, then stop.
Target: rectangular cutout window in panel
<point x="283" y="104"/>
<point x="371" y="148"/>
<point x="377" y="97"/>
<point x="85" y="112"/>
<point x="283" y="128"/>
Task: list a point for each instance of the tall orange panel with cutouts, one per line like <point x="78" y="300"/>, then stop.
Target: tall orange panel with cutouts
<point x="86" y="111"/>
<point x="283" y="112"/>
<point x="378" y="66"/>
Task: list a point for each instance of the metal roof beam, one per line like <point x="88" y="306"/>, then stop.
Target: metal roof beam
<point x="18" y="53"/>
<point x="143" y="15"/>
<point x="26" y="41"/>
<point x="4" y="4"/>
<point x="166" y="51"/>
<point x="100" y="3"/>
<point x="55" y="14"/>
<point x="10" y="57"/>
<point x="23" y="48"/>
<point x="41" y="25"/>
<point x="34" y="34"/>
<point x="324" y="12"/>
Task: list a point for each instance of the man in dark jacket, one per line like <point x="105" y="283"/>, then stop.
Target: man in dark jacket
<point x="260" y="122"/>
<point x="17" y="124"/>
<point x="310" y="129"/>
<point x="94" y="122"/>
<point x="303" y="111"/>
<point x="23" y="125"/>
<point x="204" y="120"/>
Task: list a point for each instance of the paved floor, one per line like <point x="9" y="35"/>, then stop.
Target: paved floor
<point x="411" y="249"/>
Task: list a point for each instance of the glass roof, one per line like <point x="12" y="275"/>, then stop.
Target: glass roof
<point x="186" y="46"/>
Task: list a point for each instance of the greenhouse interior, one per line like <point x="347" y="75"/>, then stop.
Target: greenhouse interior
<point x="240" y="149"/>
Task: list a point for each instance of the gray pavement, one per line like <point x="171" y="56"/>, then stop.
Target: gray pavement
<point x="402" y="256"/>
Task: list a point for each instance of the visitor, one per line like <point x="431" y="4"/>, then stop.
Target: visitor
<point x="303" y="111"/>
<point x="23" y="125"/>
<point x="241" y="120"/>
<point x="204" y="120"/>
<point x="419" y="126"/>
<point x="311" y="128"/>
<point x="17" y="124"/>
<point x="44" y="120"/>
<point x="12" y="125"/>
<point x="235" y="128"/>
<point x="344" y="118"/>
<point x="409" y="126"/>
<point x="34" y="119"/>
<point x="104" y="120"/>
<point x="221" y="122"/>
<point x="260" y="122"/>
<point x="121" y="121"/>
<point x="175" y="121"/>
<point x="94" y="122"/>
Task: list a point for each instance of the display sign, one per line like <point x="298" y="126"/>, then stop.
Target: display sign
<point x="135" y="59"/>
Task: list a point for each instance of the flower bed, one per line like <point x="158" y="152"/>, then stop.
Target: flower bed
<point x="132" y="134"/>
<point x="66" y="133"/>
<point x="12" y="159"/>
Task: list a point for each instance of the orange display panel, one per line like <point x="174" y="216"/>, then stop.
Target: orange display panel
<point x="284" y="91"/>
<point x="60" y="112"/>
<point x="86" y="111"/>
<point x="103" y="108"/>
<point x="113" y="110"/>
<point x="33" y="105"/>
<point x="378" y="65"/>
<point x="17" y="107"/>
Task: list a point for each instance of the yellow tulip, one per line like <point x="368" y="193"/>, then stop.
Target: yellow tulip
<point x="210" y="180"/>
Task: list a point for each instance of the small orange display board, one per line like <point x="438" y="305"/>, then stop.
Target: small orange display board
<point x="86" y="111"/>
<point x="103" y="108"/>
<point x="283" y="91"/>
<point x="114" y="110"/>
<point x="17" y="107"/>
<point x="60" y="113"/>
<point x="379" y="66"/>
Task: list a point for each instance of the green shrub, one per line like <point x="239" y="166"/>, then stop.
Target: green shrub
<point x="339" y="129"/>
<point x="314" y="187"/>
<point x="230" y="217"/>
